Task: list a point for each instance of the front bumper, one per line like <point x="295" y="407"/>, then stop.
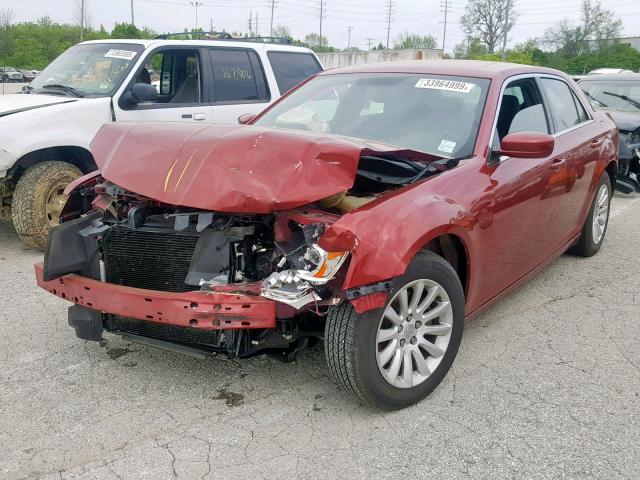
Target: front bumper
<point x="215" y="310"/>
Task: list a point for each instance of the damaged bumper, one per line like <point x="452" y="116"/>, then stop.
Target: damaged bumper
<point x="214" y="310"/>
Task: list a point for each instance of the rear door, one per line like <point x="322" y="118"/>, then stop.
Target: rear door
<point x="582" y="140"/>
<point x="239" y="85"/>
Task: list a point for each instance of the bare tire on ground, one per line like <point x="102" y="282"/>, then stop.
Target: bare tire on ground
<point x="38" y="200"/>
<point x="595" y="226"/>
<point x="394" y="356"/>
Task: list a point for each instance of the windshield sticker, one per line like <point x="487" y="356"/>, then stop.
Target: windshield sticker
<point x="123" y="54"/>
<point x="447" y="146"/>
<point x="448" y="85"/>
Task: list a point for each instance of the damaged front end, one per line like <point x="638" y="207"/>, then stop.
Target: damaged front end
<point x="236" y="284"/>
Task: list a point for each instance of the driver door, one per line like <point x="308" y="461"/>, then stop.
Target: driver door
<point x="179" y="77"/>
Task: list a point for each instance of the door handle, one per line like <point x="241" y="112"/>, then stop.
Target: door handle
<point x="199" y="116"/>
<point x="596" y="143"/>
<point x="558" y="163"/>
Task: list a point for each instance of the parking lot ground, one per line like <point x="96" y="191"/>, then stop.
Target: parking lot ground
<point x="546" y="386"/>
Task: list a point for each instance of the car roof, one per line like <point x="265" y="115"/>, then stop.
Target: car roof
<point x="462" y="68"/>
<point x="263" y="46"/>
<point x="612" y="76"/>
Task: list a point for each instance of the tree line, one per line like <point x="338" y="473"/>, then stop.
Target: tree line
<point x="575" y="48"/>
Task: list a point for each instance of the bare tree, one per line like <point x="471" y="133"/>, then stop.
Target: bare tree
<point x="81" y="15"/>
<point x="6" y="17"/>
<point x="599" y="26"/>
<point x="488" y="21"/>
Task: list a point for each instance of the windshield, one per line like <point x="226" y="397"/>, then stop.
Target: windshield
<point x="94" y="69"/>
<point x="616" y="94"/>
<point x="435" y="114"/>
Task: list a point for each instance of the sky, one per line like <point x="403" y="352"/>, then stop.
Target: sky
<point x="368" y="18"/>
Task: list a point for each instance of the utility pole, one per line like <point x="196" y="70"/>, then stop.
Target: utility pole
<point x="369" y="40"/>
<point x="81" y="20"/>
<point x="273" y="6"/>
<point x="250" y="23"/>
<point x="349" y="37"/>
<point x="389" y="14"/>
<point x="444" y="33"/>
<point x="133" y="21"/>
<point x="257" y="34"/>
<point x="211" y="24"/>
<point x="196" y="5"/>
<point x="505" y="32"/>
<point x="321" y="17"/>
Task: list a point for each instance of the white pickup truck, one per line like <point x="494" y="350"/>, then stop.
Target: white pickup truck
<point x="45" y="132"/>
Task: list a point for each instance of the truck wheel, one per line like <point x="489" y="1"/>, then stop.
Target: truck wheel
<point x="595" y="226"/>
<point x="38" y="200"/>
<point x="394" y="356"/>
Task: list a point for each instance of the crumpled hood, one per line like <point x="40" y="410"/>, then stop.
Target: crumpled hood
<point x="17" y="102"/>
<point x="628" y="121"/>
<point x="226" y="168"/>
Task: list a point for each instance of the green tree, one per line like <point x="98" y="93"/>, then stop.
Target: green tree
<point x="408" y="40"/>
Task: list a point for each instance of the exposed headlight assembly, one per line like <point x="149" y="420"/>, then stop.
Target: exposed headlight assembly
<point x="295" y="286"/>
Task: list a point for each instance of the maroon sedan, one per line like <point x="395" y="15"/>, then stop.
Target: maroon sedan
<point x="374" y="207"/>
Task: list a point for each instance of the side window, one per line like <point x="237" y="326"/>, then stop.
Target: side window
<point x="176" y="74"/>
<point x="521" y="110"/>
<point x="562" y="103"/>
<point x="238" y="76"/>
<point x="291" y="68"/>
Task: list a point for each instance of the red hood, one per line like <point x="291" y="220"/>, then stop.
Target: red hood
<point x="226" y="168"/>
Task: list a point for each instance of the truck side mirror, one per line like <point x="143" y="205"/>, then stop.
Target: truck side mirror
<point x="141" y="92"/>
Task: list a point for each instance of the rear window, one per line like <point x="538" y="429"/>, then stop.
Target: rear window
<point x="291" y="68"/>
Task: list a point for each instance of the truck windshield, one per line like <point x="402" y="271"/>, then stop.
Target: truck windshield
<point x="616" y="94"/>
<point x="435" y="114"/>
<point x="90" y="69"/>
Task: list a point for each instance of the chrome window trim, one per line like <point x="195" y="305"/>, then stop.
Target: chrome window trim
<point x="537" y="75"/>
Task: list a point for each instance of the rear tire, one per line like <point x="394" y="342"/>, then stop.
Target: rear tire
<point x="355" y="343"/>
<point x="595" y="226"/>
<point x="38" y="200"/>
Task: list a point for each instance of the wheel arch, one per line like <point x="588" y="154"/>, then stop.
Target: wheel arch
<point x="612" y="171"/>
<point x="454" y="250"/>
<point x="75" y="155"/>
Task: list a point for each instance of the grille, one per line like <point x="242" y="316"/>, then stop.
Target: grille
<point x="171" y="333"/>
<point x="147" y="259"/>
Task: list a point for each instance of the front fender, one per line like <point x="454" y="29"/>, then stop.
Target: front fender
<point x="384" y="238"/>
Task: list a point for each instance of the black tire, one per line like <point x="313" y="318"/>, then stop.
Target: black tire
<point x="32" y="196"/>
<point x="350" y="340"/>
<point x="587" y="246"/>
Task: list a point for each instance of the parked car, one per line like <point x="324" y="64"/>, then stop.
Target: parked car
<point x="45" y="133"/>
<point x="375" y="206"/>
<point x="10" y="74"/>
<point x="619" y="95"/>
<point x="608" y="71"/>
<point x="27" y="75"/>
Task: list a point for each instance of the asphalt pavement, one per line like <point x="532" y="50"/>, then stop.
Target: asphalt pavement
<point x="546" y="386"/>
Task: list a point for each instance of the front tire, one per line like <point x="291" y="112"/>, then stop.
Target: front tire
<point x="395" y="356"/>
<point x="595" y="226"/>
<point x="38" y="200"/>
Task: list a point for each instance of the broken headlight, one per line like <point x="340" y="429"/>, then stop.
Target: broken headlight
<point x="323" y="265"/>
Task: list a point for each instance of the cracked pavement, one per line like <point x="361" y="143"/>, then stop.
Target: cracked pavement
<point x="546" y="386"/>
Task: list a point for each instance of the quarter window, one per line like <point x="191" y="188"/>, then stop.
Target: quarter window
<point x="562" y="103"/>
<point x="291" y="68"/>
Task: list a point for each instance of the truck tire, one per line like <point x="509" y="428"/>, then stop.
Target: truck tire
<point x="38" y="200"/>
<point x="393" y="361"/>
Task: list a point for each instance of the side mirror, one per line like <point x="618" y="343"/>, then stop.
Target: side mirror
<point x="246" y="118"/>
<point x="527" y="145"/>
<point x="141" y="92"/>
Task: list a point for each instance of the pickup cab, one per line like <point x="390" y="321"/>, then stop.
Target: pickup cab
<point x="45" y="131"/>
